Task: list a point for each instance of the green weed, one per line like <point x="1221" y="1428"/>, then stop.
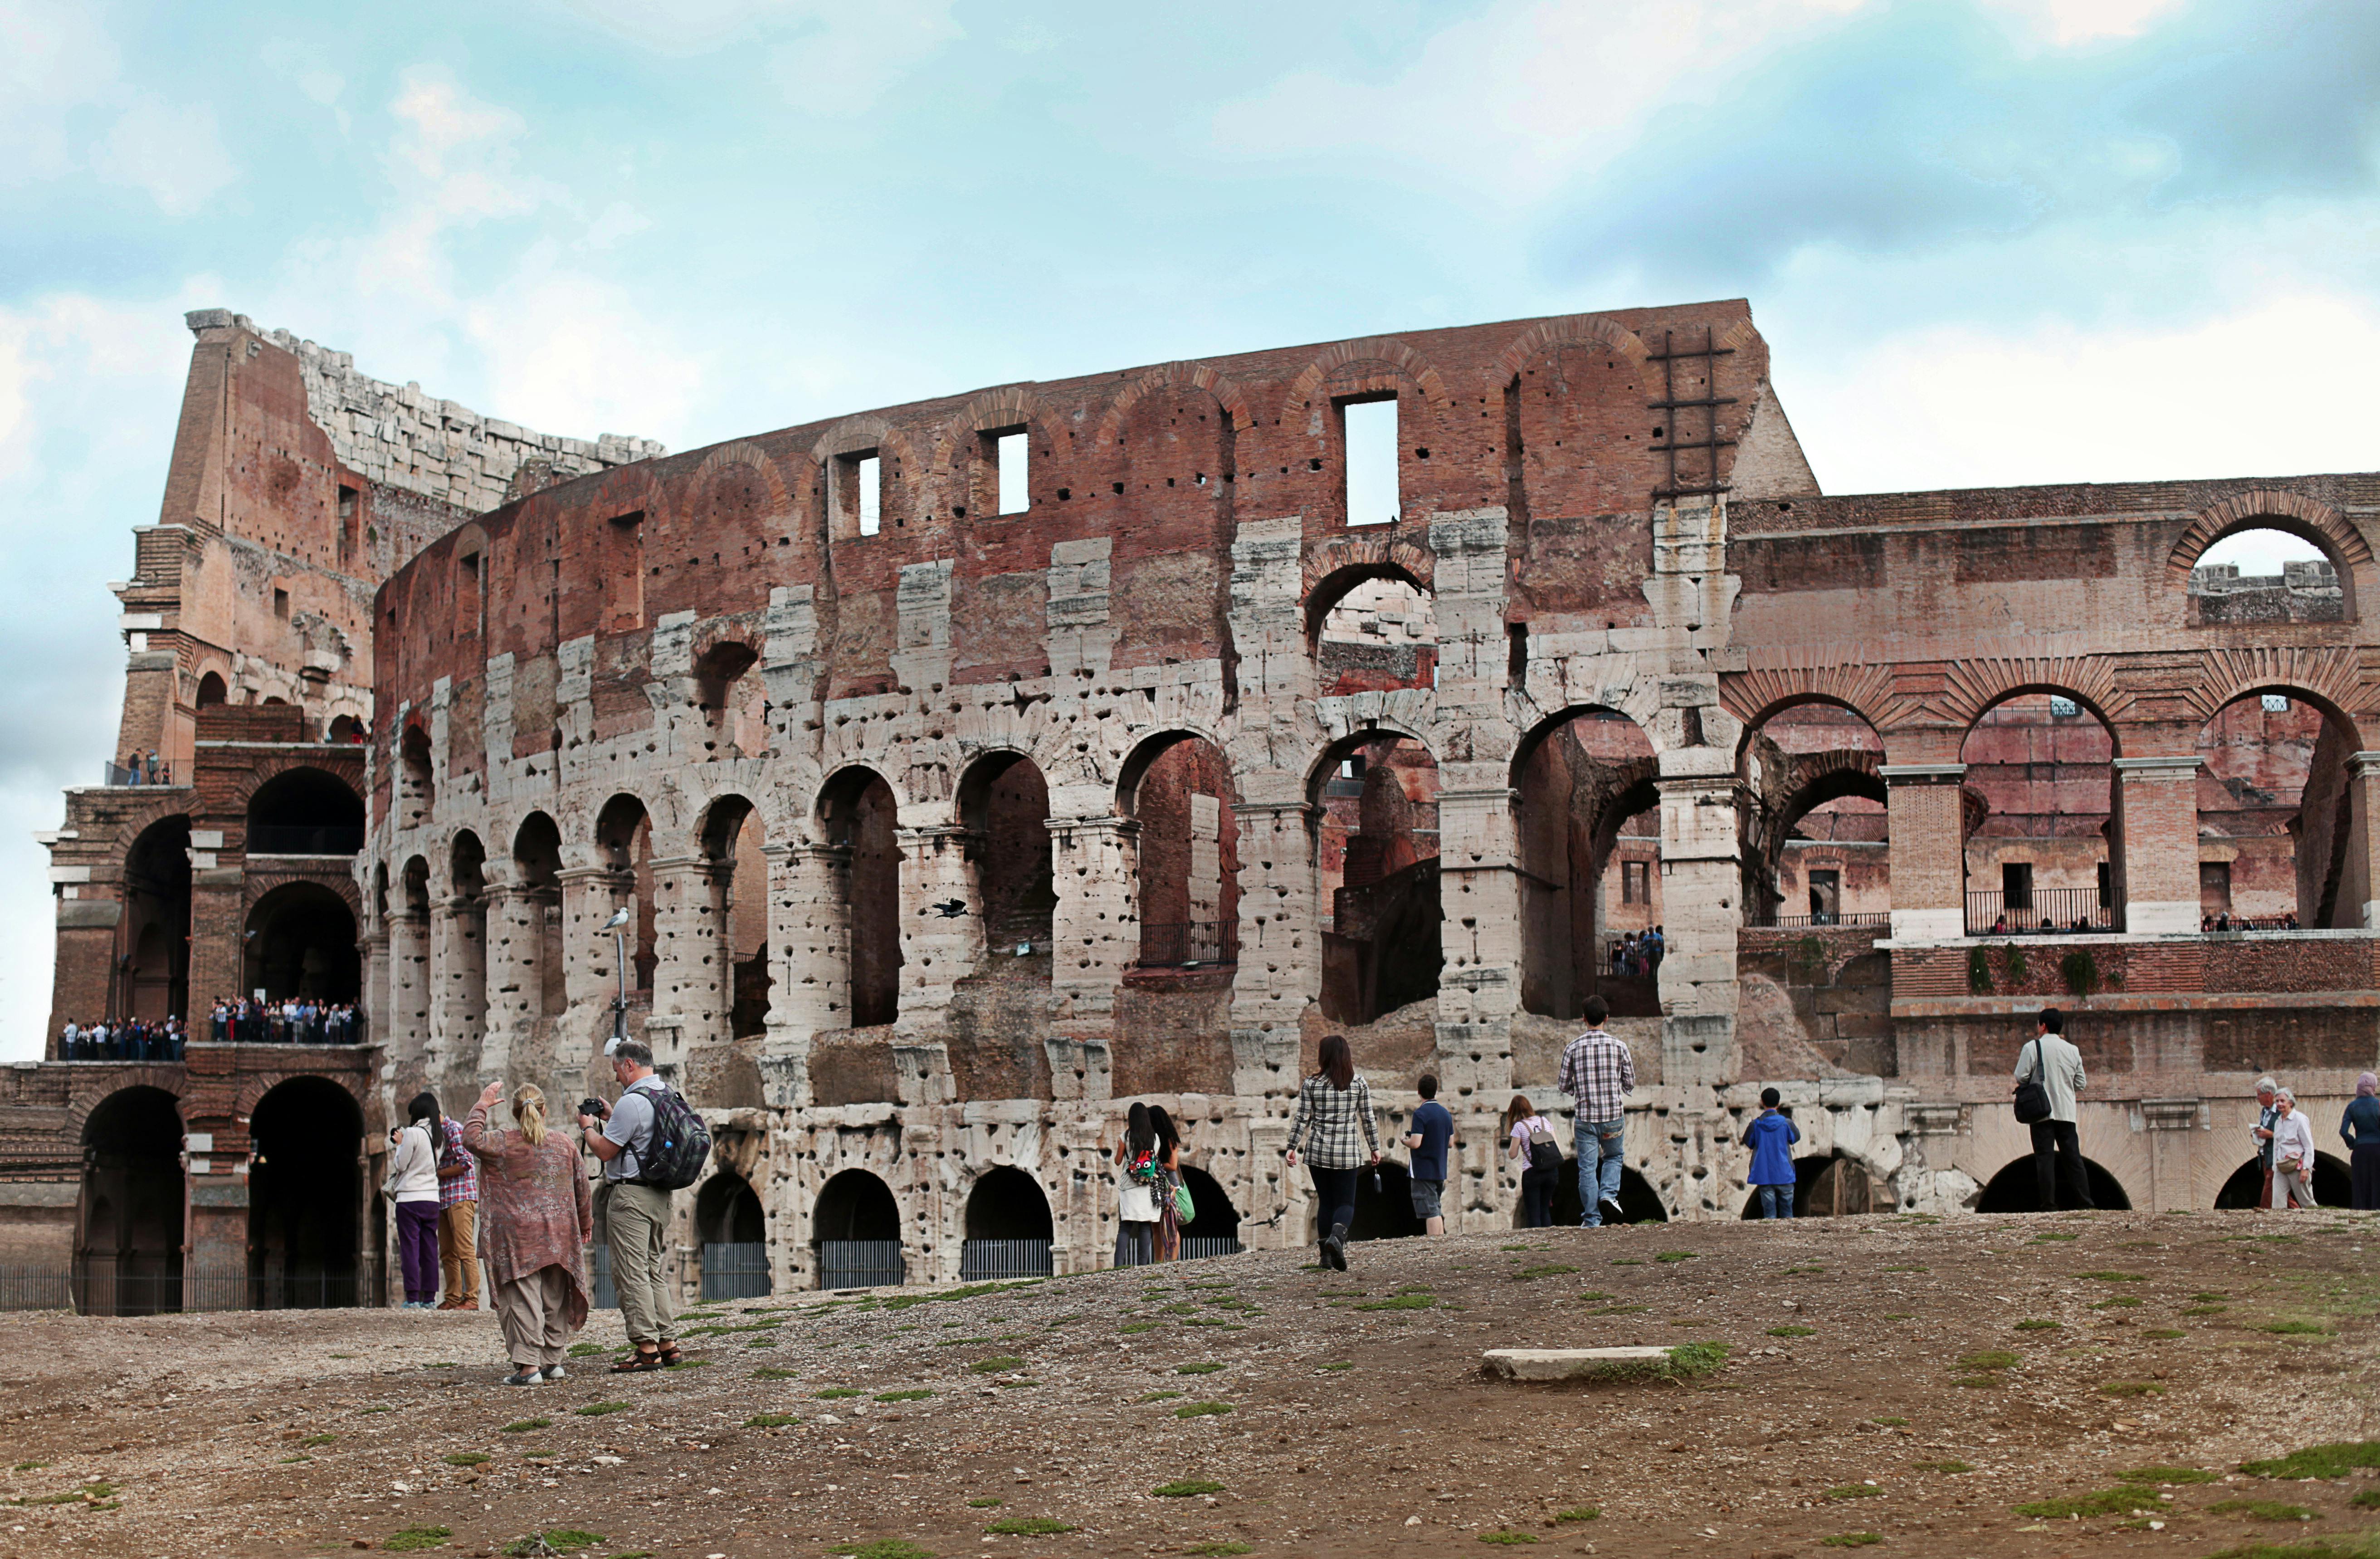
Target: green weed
<point x="414" y="1539"/>
<point x="1185" y="1488"/>
<point x="1202" y="1410"/>
<point x="1026" y="1526"/>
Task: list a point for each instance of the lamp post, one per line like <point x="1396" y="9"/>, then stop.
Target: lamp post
<point x="620" y="965"/>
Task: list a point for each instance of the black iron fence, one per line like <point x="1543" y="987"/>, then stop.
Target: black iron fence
<point x="861" y="1264"/>
<point x="982" y="1259"/>
<point x="2043" y="912"/>
<point x="1189" y="942"/>
<point x="1194" y="1246"/>
<point x="272" y="1028"/>
<point x="102" y="1288"/>
<point x="1804" y="923"/>
<point x="305" y="839"/>
<point x="734" y="1271"/>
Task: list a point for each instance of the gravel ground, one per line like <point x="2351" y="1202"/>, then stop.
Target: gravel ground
<point x="1894" y="1376"/>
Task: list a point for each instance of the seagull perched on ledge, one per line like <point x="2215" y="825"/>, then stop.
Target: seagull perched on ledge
<point x="949" y="908"/>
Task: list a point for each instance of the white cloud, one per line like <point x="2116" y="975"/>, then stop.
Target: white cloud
<point x="55" y="57"/>
<point x="2066" y="23"/>
<point x="173" y="154"/>
<point x="570" y="352"/>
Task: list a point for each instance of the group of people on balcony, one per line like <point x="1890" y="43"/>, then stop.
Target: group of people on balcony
<point x="2230" y="923"/>
<point x="1637" y="956"/>
<point x="296" y="1020"/>
<point x="121" y="1039"/>
<point x="142" y="766"/>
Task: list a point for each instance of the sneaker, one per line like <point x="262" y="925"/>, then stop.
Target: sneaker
<point x="1612" y="1213"/>
<point x="464" y="1305"/>
<point x="524" y="1378"/>
<point x="556" y="1372"/>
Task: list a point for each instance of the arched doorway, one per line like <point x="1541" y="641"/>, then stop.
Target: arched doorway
<point x="536" y="879"/>
<point x="858" y="815"/>
<point x="302" y="943"/>
<point x="2245" y="1188"/>
<point x="2017" y="1188"/>
<point x="856" y="1226"/>
<point x="1589" y="834"/>
<point x="415" y="785"/>
<point x="2047" y="855"/>
<point x="734" y="1233"/>
<point x="733" y="706"/>
<point x="157" y="923"/>
<point x="1178" y="788"/>
<point x="129" y="1252"/>
<point x="213" y="691"/>
<point x="1825" y="1186"/>
<point x="1214" y="1228"/>
<point x="1374" y="628"/>
<point x="624" y="832"/>
<point x="2276" y="816"/>
<point x="1375" y="797"/>
<point x="1009" y="1231"/>
<point x="304" y="1191"/>
<point x="1004" y="806"/>
<point x="1816" y="833"/>
<point x="305" y="812"/>
<point x="463" y="961"/>
<point x="1639" y="1202"/>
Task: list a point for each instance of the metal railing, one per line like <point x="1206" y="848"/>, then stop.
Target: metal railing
<point x="1196" y="1247"/>
<point x="119" y="776"/>
<point x="342" y="1028"/>
<point x="982" y="1259"/>
<point x="2043" y="912"/>
<point x="99" y="1287"/>
<point x="1185" y="943"/>
<point x="305" y="839"/>
<point x="737" y="1271"/>
<point x="1805" y="922"/>
<point x="861" y="1264"/>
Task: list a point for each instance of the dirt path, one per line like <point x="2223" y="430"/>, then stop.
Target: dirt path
<point x="1351" y="1415"/>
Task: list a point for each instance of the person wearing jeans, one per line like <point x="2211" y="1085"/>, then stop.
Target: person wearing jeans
<point x="1771" y="1137"/>
<point x="1332" y="1105"/>
<point x="413" y="1185"/>
<point x="1598" y="1074"/>
<point x="458" y="1221"/>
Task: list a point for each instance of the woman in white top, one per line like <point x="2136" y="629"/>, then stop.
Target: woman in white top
<point x="2292" y="1145"/>
<point x="413" y="1185"/>
<point x="1136" y="1155"/>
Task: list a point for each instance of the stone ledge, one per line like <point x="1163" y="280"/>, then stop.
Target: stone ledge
<point x="1578" y="1364"/>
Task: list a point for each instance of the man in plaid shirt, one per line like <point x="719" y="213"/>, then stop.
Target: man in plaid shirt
<point x="458" y="1221"/>
<point x="1598" y="1074"/>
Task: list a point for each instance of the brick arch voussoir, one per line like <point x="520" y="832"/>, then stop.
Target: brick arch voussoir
<point x="84" y="1103"/>
<point x="1010" y="405"/>
<point x="628" y="489"/>
<point x="1866" y="689"/>
<point x="1578" y="330"/>
<point x="2347" y="543"/>
<point x="254" y="886"/>
<point x="1973" y="687"/>
<point x="1225" y="390"/>
<point x="254" y="777"/>
<point x="726" y="461"/>
<point x="2325" y="674"/>
<point x="1380" y="550"/>
<point x="1384" y="350"/>
<point x="254" y="1086"/>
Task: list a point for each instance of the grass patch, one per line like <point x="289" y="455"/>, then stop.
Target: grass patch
<point x="1026" y="1526"/>
<point x="2114" y="1278"/>
<point x="2047" y="1238"/>
<point x="1580" y="1513"/>
<point x="2335" y="1459"/>
<point x="412" y="1540"/>
<point x="2102" y="1502"/>
<point x="2163" y="1333"/>
<point x="773" y="1374"/>
<point x="1202" y="1410"/>
<point x="1792" y="1331"/>
<point x="1889" y="1421"/>
<point x="838" y="1393"/>
<point x="1850" y="1540"/>
<point x="1989" y="1358"/>
<point x="1508" y="1537"/>
<point x="2204" y="1309"/>
<point x="1156" y="1397"/>
<point x="586" y="1350"/>
<point x="93" y="1492"/>
<point x="2261" y="1510"/>
<point x="1218" y="1548"/>
<point x="883" y="1548"/>
<point x="1796" y="1271"/>
<point x="601" y="1409"/>
<point x="972" y="1290"/>
<point x="1898" y="1315"/>
<point x="964" y="1341"/>
<point x="1528" y="1273"/>
<point x="1335" y="1367"/>
<point x="523" y="1426"/>
<point x="2295" y="1329"/>
<point x="1185" y="1488"/>
<point x="1626" y="1261"/>
<point x="466" y="1459"/>
<point x="1697" y="1359"/>
<point x="772" y="1420"/>
<point x="1402" y="1302"/>
<point x="30" y="1467"/>
<point x="1674" y="1257"/>
<point x="917" y="1395"/>
<point x="999" y="1364"/>
<point x="2208" y="1296"/>
<point x="313" y="1440"/>
<point x="1946" y="1464"/>
<point x="1129" y="1327"/>
<point x="2130" y="1388"/>
<point x="2166" y="1475"/>
<point x="1854" y="1492"/>
<point x="2037" y="1324"/>
<point x="562" y="1540"/>
<point x="1207" y="1368"/>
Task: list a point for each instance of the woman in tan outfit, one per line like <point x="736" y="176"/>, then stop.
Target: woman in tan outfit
<point x="537" y="1216"/>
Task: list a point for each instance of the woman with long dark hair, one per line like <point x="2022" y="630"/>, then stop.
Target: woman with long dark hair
<point x="1332" y="1105"/>
<point x="1136" y="1155"/>
<point x="413" y="1185"/>
<point x="1538" y="1152"/>
<point x="1169" y="1164"/>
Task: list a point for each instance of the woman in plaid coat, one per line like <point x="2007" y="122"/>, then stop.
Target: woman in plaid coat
<point x="1332" y="1105"/>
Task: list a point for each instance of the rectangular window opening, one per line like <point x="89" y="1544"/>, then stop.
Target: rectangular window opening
<point x="2107" y="885"/>
<point x="871" y="494"/>
<point x="2016" y="884"/>
<point x="280" y="604"/>
<point x="347" y="503"/>
<point x="1008" y="456"/>
<point x="1371" y="451"/>
<point x="1635" y="882"/>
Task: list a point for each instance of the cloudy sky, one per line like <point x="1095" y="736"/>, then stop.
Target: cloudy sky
<point x="1993" y="241"/>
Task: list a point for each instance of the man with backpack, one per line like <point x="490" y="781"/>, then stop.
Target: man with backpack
<point x="652" y="1143"/>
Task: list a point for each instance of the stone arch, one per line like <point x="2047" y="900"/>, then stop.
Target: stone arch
<point x="1576" y="330"/>
<point x="2328" y="679"/>
<point x="1010" y="406"/>
<point x="129" y="1224"/>
<point x="1582" y="774"/>
<point x="296" y="808"/>
<point x="1400" y="359"/>
<point x="2274" y="508"/>
<point x="1339" y="564"/>
<point x="1973" y="687"/>
<point x="724" y="459"/>
<point x="628" y="489"/>
<point x="1178" y="374"/>
<point x="1757" y="697"/>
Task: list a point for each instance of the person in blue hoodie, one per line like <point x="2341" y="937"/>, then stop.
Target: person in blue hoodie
<point x="1771" y="1137"/>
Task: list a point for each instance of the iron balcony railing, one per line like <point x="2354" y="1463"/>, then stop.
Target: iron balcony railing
<point x="738" y="1271"/>
<point x="1186" y="943"/>
<point x="861" y="1264"/>
<point x="1804" y="923"/>
<point x="303" y="839"/>
<point x="982" y="1259"/>
<point x="2043" y="912"/>
<point x="124" y="1042"/>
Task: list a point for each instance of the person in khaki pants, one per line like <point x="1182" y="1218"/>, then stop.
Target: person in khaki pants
<point x="637" y="1216"/>
<point x="458" y="1221"/>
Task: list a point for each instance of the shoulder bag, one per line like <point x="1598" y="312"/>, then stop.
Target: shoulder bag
<point x="2032" y="1093"/>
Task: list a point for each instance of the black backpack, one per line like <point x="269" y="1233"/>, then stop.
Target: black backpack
<point x="2033" y="1105"/>
<point x="680" y="1146"/>
<point x="1545" y="1151"/>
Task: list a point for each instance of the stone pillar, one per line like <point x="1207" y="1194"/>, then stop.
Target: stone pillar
<point x="1279" y="973"/>
<point x="218" y="952"/>
<point x="1095" y="936"/>
<point x="515" y="929"/>
<point x="409" y="958"/>
<point x="2359" y="878"/>
<point x="937" y="951"/>
<point x="810" y="946"/>
<point x="1927" y="826"/>
<point x="2156" y="808"/>
<point x="691" y="975"/>
<point x="589" y="971"/>
<point x="1479" y="898"/>
<point x="1702" y="878"/>
<point x="458" y="943"/>
<point x="377" y="1025"/>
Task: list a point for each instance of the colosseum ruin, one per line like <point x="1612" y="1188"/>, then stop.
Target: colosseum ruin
<point x="971" y="767"/>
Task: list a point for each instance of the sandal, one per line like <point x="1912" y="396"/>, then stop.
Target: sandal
<point x="670" y="1357"/>
<point x="638" y="1363"/>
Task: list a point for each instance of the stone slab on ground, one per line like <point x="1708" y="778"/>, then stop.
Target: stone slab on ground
<point x="1577" y="1364"/>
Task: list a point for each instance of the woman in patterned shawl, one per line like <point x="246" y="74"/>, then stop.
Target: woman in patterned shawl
<point x="537" y="1216"/>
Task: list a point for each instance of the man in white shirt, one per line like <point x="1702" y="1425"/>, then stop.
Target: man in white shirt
<point x="2056" y="1150"/>
<point x="636" y="1215"/>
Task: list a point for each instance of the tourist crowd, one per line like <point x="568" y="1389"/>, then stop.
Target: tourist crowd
<point x="299" y="1020"/>
<point x="1637" y="956"/>
<point x="117" y="1039"/>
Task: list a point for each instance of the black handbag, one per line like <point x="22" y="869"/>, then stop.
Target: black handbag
<point x="2032" y="1093"/>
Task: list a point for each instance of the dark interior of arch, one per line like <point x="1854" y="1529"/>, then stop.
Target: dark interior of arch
<point x="862" y="817"/>
<point x="1007" y="1204"/>
<point x="157" y="921"/>
<point x="304" y="946"/>
<point x="2016" y="1189"/>
<point x="856" y="1205"/>
<point x="1216" y="1217"/>
<point x="537" y="860"/>
<point x="1005" y="803"/>
<point x="728" y="1211"/>
<point x="626" y="835"/>
<point x="1188" y="849"/>
<point x="1585" y="785"/>
<point x="1639" y="1202"/>
<point x="1378" y="851"/>
<point x="2245" y="1188"/>
<point x="1385" y="1213"/>
<point x="1826" y="1187"/>
<point x="305" y="1192"/>
<point x="304" y="812"/>
<point x="129" y="1254"/>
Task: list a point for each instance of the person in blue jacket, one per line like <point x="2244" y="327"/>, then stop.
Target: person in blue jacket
<point x="1771" y="1137"/>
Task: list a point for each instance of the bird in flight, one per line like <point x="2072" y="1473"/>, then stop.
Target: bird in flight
<point x="949" y="908"/>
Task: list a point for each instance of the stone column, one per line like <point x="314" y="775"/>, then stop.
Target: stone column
<point x="690" y="974"/>
<point x="1479" y="898"/>
<point x="377" y="1027"/>
<point x="1095" y="936"/>
<point x="937" y="951"/>
<point x="1927" y="826"/>
<point x="2358" y="880"/>
<point x="2156" y="808"/>
<point x="1280" y="944"/>
<point x="515" y="928"/>
<point x="589" y="973"/>
<point x="810" y="946"/>
<point x="1702" y="878"/>
<point x="408" y="958"/>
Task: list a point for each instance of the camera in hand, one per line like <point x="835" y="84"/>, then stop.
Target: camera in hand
<point x="596" y="1108"/>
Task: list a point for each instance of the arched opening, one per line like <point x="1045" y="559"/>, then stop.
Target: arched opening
<point x="2047" y="855"/>
<point x="1214" y="1227"/>
<point x="1589" y="832"/>
<point x="464" y="959"/>
<point x="2260" y="575"/>
<point x="408" y="954"/>
<point x="858" y="816"/>
<point x="732" y="841"/>
<point x="856" y="1228"/>
<point x="1009" y="1231"/>
<point x="301" y="943"/>
<point x="1639" y="1202"/>
<point x="624" y="834"/>
<point x="734" y="1233"/>
<point x="2017" y="1188"/>
<point x="1387" y="1212"/>
<point x="305" y="812"/>
<point x="1004" y="806"/>
<point x="1817" y="831"/>
<point x="537" y="922"/>
<point x="157" y="923"/>
<point x="129" y="1258"/>
<point x="415" y="791"/>
<point x="2276" y="817"/>
<point x="2333" y="1186"/>
<point x="304" y="1198"/>
<point x="733" y="707"/>
<point x="1377" y="851"/>
<point x="1825" y="1186"/>
<point x="347" y="729"/>
<point x="1374" y="628"/>
<point x="1178" y="788"/>
<point x="213" y="691"/>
